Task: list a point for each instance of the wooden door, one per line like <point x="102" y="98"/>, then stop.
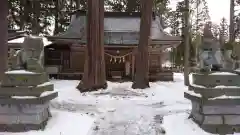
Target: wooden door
<point x="65" y="61"/>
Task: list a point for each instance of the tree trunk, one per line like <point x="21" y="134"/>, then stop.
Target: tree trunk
<point x="3" y="37"/>
<point x="186" y="41"/>
<point x="231" y="19"/>
<point x="141" y="80"/>
<point x="56" y="30"/>
<point x="131" y="5"/>
<point x="77" y="4"/>
<point x="27" y="9"/>
<point x="22" y="20"/>
<point x="94" y="68"/>
<point x="35" y="24"/>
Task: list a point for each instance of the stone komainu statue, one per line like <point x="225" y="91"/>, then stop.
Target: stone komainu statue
<point x="30" y="57"/>
<point x="210" y="54"/>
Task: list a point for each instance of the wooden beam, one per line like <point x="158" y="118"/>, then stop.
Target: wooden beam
<point x="3" y="36"/>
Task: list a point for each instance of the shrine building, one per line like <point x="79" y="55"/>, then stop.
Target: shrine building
<point x="64" y="57"/>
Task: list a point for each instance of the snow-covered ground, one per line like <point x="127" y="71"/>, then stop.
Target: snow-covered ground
<point x="120" y="110"/>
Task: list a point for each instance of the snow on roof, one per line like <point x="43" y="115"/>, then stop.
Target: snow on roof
<point x="118" y="30"/>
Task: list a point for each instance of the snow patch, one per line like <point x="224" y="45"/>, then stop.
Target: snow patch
<point x="44" y="84"/>
<point x="19" y="72"/>
<point x="222" y="86"/>
<point x="225" y="97"/>
<point x="222" y="73"/>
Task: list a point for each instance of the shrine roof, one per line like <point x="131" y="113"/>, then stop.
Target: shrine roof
<point x="119" y="28"/>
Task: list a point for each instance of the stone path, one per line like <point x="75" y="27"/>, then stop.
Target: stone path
<point x="123" y="116"/>
<point x="129" y="121"/>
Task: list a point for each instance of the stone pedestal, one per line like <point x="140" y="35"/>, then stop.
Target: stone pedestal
<point x="215" y="102"/>
<point x="25" y="94"/>
<point x="24" y="101"/>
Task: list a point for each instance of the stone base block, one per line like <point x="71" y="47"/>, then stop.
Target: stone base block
<point x="23" y="117"/>
<point x="22" y="127"/>
<point x="26" y="91"/>
<point x="215" y="115"/>
<point x="23" y="114"/>
<point x="219" y="128"/>
<point x="216" y="79"/>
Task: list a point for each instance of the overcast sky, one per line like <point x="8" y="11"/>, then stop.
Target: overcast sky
<point x="217" y="9"/>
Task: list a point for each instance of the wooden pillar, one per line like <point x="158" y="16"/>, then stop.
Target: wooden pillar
<point x="133" y="65"/>
<point x="160" y="60"/>
<point x="3" y="36"/>
<point x="141" y="80"/>
<point x="77" y="4"/>
<point x="94" y="68"/>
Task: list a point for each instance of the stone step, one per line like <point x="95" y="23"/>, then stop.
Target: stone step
<point x="216" y="79"/>
<point x="215" y="92"/>
<point x="24" y="78"/>
<point x="44" y="98"/>
<point x="26" y="91"/>
<point x="225" y="101"/>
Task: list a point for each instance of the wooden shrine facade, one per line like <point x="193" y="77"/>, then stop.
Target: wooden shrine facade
<point x="68" y="61"/>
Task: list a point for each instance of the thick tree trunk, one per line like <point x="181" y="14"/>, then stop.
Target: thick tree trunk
<point x="141" y="80"/>
<point x="3" y="36"/>
<point x="186" y="42"/>
<point x="94" y="68"/>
